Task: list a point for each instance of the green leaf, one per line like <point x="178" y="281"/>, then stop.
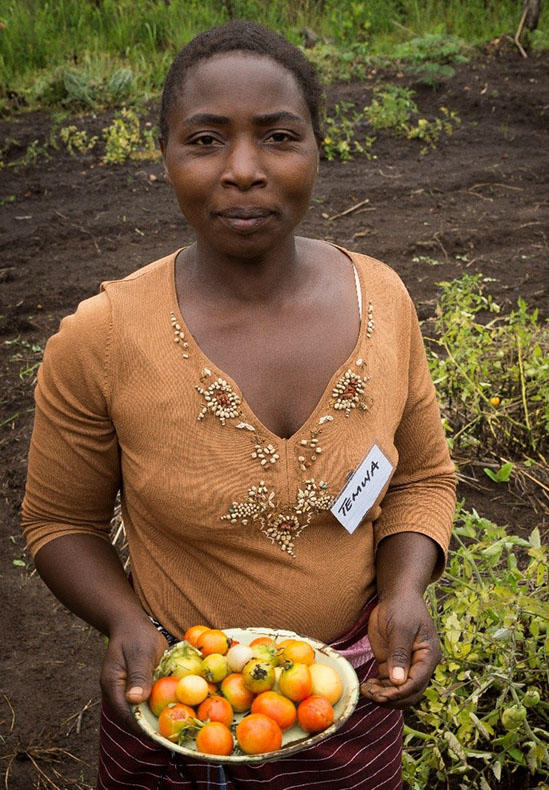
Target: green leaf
<point x="19" y="563"/>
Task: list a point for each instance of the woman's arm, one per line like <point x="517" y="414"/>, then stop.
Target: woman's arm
<point x="401" y="631"/>
<point x="85" y="574"/>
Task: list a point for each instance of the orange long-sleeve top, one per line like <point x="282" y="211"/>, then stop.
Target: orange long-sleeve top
<point x="228" y="524"/>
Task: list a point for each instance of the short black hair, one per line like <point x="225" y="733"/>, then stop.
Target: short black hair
<point x="239" y="36"/>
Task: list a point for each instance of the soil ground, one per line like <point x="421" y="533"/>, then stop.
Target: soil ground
<point x="476" y="203"/>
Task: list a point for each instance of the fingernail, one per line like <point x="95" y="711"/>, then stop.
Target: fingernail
<point x="398" y="673"/>
<point x="136" y="691"/>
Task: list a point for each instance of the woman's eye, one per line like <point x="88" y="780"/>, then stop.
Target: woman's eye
<point x="204" y="139"/>
<point x="280" y="137"/>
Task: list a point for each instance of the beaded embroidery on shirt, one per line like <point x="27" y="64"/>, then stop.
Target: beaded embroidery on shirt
<point x="280" y="526"/>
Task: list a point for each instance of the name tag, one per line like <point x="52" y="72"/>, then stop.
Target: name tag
<point x="362" y="489"/>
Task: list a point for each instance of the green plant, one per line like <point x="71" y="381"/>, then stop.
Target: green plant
<point x="26" y="354"/>
<point x="429" y="132"/>
<point x="392" y="107"/>
<point x="76" y="140"/>
<point x="340" y="137"/>
<point x="486" y="713"/>
<point x="491" y="372"/>
<point x="124" y="139"/>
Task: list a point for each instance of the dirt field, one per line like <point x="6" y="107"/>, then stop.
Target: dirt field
<point x="478" y="202"/>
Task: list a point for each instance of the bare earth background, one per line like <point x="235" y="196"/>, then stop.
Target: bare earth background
<point x="481" y="195"/>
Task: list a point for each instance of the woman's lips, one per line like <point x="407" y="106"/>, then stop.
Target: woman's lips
<point x="244" y="220"/>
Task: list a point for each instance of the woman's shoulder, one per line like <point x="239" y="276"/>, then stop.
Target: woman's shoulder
<point x="148" y="279"/>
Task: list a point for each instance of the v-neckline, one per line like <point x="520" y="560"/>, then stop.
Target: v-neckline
<point x="210" y="364"/>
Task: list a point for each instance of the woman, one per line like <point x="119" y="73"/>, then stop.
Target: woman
<point x="263" y="403"/>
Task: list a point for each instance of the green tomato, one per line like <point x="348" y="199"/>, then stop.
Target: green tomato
<point x="531" y="697"/>
<point x="513" y="716"/>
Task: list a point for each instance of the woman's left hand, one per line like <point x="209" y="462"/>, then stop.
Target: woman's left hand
<point x="406" y="647"/>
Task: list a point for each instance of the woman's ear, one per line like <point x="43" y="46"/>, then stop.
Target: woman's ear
<point x="163" y="149"/>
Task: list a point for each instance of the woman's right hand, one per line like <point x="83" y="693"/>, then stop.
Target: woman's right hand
<point x="132" y="654"/>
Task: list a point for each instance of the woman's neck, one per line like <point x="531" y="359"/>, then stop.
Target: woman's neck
<point x="256" y="279"/>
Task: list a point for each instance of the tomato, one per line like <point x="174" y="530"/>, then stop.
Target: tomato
<point x="258" y="733"/>
<point x="258" y="675"/>
<point x="314" y="714"/>
<point x="276" y="707"/>
<point x="162" y="693"/>
<point x="298" y="652"/>
<point x="175" y="719"/>
<point x="215" y="738"/>
<point x="234" y="690"/>
<point x="192" y="690"/>
<point x="214" y="668"/>
<point x="326" y="682"/>
<point x="213" y="641"/>
<point x="263" y="640"/>
<point x="216" y="709"/>
<point x="295" y="682"/>
<point x="265" y="653"/>
<point x="238" y="656"/>
<point x="192" y="633"/>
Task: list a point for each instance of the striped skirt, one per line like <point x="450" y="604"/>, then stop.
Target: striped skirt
<point x="366" y="752"/>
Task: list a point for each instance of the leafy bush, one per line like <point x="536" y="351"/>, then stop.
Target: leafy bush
<point x="486" y="713"/>
<point x="124" y="139"/>
<point x="491" y="372"/>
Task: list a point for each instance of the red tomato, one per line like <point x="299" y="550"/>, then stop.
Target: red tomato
<point x="162" y="693"/>
<point x="315" y="713"/>
<point x="276" y="707"/>
<point x="215" y="738"/>
<point x="216" y="709"/>
<point x="258" y="733"/>
<point x="174" y="719"/>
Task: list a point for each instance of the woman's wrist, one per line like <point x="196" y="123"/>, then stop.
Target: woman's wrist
<point x="405" y="563"/>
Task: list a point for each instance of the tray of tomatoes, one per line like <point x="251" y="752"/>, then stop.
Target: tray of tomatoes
<point x="247" y="694"/>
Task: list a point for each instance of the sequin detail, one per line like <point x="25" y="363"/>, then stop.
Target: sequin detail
<point x="349" y="392"/>
<point x="280" y="526"/>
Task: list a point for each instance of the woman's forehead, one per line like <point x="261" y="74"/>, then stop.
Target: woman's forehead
<point x="239" y="79"/>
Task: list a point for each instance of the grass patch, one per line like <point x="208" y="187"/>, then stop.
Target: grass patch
<point x="93" y="55"/>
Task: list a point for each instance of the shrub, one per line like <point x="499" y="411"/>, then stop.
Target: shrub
<point x="485" y="715"/>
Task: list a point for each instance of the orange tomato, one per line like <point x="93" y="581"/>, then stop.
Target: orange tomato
<point x="276" y="707"/>
<point x="162" y="693"/>
<point x="263" y="640"/>
<point x="234" y="690"/>
<point x="216" y="709"/>
<point x="298" y="652"/>
<point x="314" y="714"/>
<point x="215" y="738"/>
<point x="213" y="641"/>
<point x="192" y="690"/>
<point x="175" y="719"/>
<point x="257" y="733"/>
<point x="192" y="633"/>
<point x="295" y="682"/>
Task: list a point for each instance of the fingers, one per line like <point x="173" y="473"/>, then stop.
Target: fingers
<point x="407" y="650"/>
<point x="127" y="672"/>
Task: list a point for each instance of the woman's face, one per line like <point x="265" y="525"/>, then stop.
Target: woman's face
<point x="241" y="153"/>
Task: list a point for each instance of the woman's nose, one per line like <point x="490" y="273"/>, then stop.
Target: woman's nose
<point x="243" y="166"/>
